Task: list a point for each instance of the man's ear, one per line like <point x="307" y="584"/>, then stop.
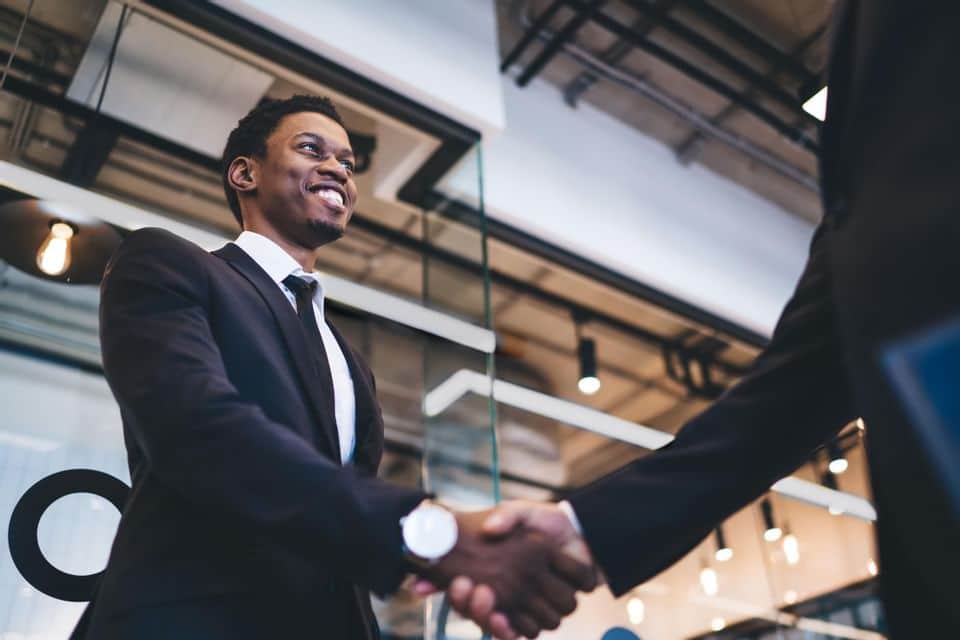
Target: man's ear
<point x="242" y="174"/>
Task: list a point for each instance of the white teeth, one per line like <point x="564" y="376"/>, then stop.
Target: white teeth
<point x="331" y="196"/>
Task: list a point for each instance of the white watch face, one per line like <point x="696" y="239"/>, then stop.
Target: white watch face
<point x="430" y="531"/>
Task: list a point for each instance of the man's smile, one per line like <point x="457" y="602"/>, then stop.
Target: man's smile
<point x="331" y="193"/>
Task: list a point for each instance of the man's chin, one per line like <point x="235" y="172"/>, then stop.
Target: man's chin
<point x="325" y="231"/>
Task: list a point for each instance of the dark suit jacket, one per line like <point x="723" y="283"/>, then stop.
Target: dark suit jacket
<point x="883" y="264"/>
<point x="237" y="486"/>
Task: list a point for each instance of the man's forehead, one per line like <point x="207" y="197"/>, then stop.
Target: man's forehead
<point x="312" y="122"/>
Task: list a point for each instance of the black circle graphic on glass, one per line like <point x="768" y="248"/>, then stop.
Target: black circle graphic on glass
<point x="24" y="546"/>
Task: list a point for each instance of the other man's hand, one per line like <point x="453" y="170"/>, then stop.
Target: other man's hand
<point x="532" y="581"/>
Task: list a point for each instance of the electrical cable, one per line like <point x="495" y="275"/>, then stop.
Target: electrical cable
<point x="16" y="43"/>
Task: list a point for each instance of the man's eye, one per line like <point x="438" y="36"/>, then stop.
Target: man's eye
<point x="346" y="164"/>
<point x="310" y="146"/>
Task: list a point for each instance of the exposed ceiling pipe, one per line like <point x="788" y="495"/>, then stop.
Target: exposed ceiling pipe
<point x="693" y="117"/>
<point x="619" y="50"/>
<point x="756" y="44"/>
<point x="581" y="15"/>
<point x="798" y="136"/>
<point x="687" y="149"/>
<point x="732" y="63"/>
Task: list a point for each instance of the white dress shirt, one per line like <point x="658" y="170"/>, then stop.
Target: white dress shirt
<point x="279" y="264"/>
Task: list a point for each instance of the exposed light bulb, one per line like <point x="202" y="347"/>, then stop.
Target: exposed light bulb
<point x="635" y="610"/>
<point x="772" y="534"/>
<point x="838" y="465"/>
<point x="53" y="256"/>
<point x="791" y="549"/>
<point x="724" y="554"/>
<point x="718" y="624"/>
<point x="709" y="581"/>
<point x="589" y="385"/>
<point x="790" y="597"/>
<point x="872" y="568"/>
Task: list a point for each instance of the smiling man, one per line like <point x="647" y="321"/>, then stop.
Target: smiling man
<point x="253" y="431"/>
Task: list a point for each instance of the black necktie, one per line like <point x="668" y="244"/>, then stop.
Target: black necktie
<point x="304" y="291"/>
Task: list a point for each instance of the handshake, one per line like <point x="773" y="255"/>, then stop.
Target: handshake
<point x="514" y="569"/>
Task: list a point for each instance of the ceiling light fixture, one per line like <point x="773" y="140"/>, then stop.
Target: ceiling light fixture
<point x="724" y="552"/>
<point x="589" y="383"/>
<point x="54" y="241"/>
<point x="709" y="581"/>
<point x="772" y="532"/>
<point x="718" y="624"/>
<point x="54" y="254"/>
<point x="791" y="548"/>
<point x="838" y="463"/>
<point x="636" y="610"/>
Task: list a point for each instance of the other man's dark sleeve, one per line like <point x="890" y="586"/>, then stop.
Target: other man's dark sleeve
<point x="647" y="515"/>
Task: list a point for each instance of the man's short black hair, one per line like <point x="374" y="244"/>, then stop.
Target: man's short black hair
<point x="250" y="137"/>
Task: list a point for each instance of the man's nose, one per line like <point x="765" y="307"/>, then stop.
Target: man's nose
<point x="332" y="168"/>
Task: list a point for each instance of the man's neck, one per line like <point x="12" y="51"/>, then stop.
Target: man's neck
<point x="306" y="258"/>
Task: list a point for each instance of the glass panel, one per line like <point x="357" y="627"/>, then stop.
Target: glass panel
<point x="162" y="169"/>
<point x="460" y="462"/>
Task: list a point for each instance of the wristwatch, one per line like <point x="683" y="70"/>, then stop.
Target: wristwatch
<point x="429" y="533"/>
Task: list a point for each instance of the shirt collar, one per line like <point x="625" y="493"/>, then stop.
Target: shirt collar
<point x="268" y="255"/>
<point x="275" y="261"/>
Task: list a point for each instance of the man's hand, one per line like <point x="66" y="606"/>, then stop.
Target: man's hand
<point x="531" y="580"/>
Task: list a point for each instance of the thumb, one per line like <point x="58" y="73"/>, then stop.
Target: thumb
<point x="505" y="518"/>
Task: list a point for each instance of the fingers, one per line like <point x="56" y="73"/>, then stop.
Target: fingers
<point x="525" y="625"/>
<point x="459" y="593"/>
<point x="481" y="604"/>
<point x="477" y="604"/>
<point x="499" y="627"/>
<point x="581" y="576"/>
<point x="544" y="615"/>
<point x="505" y="517"/>
<point x="560" y="595"/>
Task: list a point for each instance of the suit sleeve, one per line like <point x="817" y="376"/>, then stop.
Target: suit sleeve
<point x="167" y="374"/>
<point x="647" y="515"/>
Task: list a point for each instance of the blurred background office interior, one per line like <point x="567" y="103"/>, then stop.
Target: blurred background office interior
<point x="578" y="222"/>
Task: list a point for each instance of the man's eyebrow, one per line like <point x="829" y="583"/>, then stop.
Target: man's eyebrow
<point x="310" y="134"/>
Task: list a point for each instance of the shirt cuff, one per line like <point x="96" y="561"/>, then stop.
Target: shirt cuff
<point x="567" y="508"/>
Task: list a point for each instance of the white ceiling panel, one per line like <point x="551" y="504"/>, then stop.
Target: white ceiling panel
<point x="167" y="82"/>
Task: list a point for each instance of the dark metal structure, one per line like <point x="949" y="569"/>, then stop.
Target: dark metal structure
<point x="768" y="83"/>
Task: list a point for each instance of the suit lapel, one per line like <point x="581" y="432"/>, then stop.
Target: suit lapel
<point x="364" y="395"/>
<point x="293" y="335"/>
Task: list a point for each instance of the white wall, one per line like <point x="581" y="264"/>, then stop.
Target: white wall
<point x="586" y="182"/>
<point x="440" y="53"/>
